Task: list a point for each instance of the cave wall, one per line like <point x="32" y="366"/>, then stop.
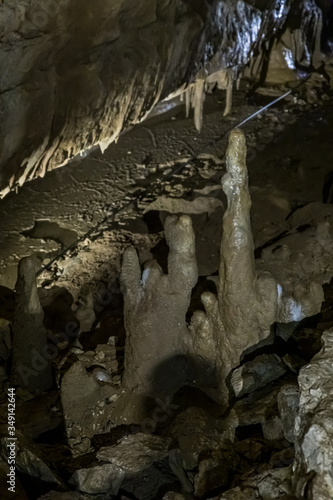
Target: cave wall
<point x="75" y="74"/>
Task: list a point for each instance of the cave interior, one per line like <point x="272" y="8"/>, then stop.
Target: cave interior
<point x="166" y="256"/>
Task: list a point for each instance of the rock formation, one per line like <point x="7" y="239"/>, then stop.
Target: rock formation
<point x="171" y="435"/>
<point x="31" y="355"/>
<point x="160" y="346"/>
<point x="87" y="389"/>
<point x="314" y="426"/>
<point x="155" y="313"/>
<point x="76" y="75"/>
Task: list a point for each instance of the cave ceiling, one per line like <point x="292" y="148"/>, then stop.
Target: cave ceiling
<point x="75" y="75"/>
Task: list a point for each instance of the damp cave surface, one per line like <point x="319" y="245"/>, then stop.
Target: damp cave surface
<point x="293" y="170"/>
<point x="88" y="432"/>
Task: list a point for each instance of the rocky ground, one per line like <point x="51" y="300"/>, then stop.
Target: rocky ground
<point x="183" y="447"/>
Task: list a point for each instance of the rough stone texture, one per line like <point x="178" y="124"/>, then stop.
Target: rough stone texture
<point x="31" y="357"/>
<point x="28" y="457"/>
<point x="258" y="407"/>
<point x="288" y="404"/>
<point x="20" y="492"/>
<point x="172" y="495"/>
<point x="155" y="307"/>
<point x="314" y="426"/>
<point x="87" y="389"/>
<point x="271" y="484"/>
<point x="162" y="353"/>
<point x="215" y="472"/>
<point x="135" y="452"/>
<point x="79" y="74"/>
<point x="257" y="373"/>
<point x="105" y="478"/>
<point x="131" y="468"/>
<point x="273" y="429"/>
<point x="248" y="302"/>
<point x="58" y="314"/>
<point x="297" y="47"/>
<point x="198" y="433"/>
<point x="307" y="254"/>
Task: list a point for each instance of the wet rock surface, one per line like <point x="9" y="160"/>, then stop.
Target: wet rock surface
<point x="256" y="374"/>
<point x="94" y="75"/>
<point x="31" y="367"/>
<point x="137" y="464"/>
<point x="75" y="442"/>
<point x="87" y="390"/>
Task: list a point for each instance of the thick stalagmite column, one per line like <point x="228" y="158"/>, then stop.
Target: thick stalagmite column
<point x="247" y="303"/>
<point x="162" y="351"/>
<point x="155" y="313"/>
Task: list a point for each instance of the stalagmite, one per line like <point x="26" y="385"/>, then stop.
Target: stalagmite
<point x="155" y="308"/>
<point x="162" y="352"/>
<point x="100" y="77"/>
<point x="31" y="354"/>
<point x="247" y="303"/>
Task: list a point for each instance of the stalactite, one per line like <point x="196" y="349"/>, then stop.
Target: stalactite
<point x="198" y="97"/>
<point x="229" y="88"/>
<point x="188" y="98"/>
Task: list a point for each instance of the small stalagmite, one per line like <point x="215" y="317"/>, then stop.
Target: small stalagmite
<point x="31" y="359"/>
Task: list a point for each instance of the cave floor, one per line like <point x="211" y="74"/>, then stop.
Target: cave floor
<point x="290" y="156"/>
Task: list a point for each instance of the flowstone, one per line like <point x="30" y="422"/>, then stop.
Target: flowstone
<point x="162" y="352"/>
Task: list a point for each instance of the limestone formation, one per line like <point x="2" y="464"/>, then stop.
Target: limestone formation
<point x="297" y="47"/>
<point x="29" y="458"/>
<point x="87" y="389"/>
<point x="271" y="484"/>
<point x="155" y="307"/>
<point x="247" y="303"/>
<point x="257" y="373"/>
<point x="133" y="456"/>
<point x="31" y="354"/>
<point x="288" y="403"/>
<point x="162" y="352"/>
<point x="75" y="74"/>
<point x="314" y="426"/>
